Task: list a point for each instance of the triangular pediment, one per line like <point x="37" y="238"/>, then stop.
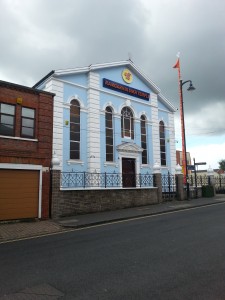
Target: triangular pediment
<point x="129" y="148"/>
<point x="59" y="74"/>
<point x="96" y="67"/>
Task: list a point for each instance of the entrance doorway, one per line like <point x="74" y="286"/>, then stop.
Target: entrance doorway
<point x="128" y="172"/>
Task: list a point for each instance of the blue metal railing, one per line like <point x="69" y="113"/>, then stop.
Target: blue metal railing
<point x="104" y="180"/>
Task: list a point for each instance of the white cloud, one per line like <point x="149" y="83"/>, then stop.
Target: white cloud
<point x="209" y="119"/>
<point x="39" y="36"/>
<point x="205" y="121"/>
<point x="205" y="134"/>
<point x="211" y="154"/>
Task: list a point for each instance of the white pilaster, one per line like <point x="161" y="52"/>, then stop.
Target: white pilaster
<point x="172" y="143"/>
<point x="155" y="128"/>
<point x="93" y="124"/>
<point x="56" y="87"/>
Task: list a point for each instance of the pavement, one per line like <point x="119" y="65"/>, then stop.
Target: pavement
<point x="19" y="230"/>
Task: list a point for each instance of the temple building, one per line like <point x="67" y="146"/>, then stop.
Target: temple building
<point x="110" y="118"/>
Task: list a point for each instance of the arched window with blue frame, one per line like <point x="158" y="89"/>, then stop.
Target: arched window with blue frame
<point x="127" y="123"/>
<point x="162" y="143"/>
<point x="109" y="141"/>
<point x="74" y="129"/>
<point x="144" y="140"/>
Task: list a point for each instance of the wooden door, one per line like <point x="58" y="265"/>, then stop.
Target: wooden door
<point x="128" y="172"/>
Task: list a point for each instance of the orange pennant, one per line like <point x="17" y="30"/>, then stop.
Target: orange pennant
<point x="177" y="64"/>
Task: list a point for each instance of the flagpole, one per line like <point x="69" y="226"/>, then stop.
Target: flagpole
<point x="184" y="154"/>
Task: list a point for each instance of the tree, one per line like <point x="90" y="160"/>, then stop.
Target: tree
<point x="222" y="164"/>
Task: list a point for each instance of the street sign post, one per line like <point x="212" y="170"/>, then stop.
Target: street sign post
<point x="197" y="164"/>
<point x="191" y="167"/>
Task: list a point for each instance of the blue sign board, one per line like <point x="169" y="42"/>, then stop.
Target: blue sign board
<point x="118" y="87"/>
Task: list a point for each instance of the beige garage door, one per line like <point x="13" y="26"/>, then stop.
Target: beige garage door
<point x="18" y="194"/>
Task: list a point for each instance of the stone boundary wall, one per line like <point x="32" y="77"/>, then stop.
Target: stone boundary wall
<point x="73" y="202"/>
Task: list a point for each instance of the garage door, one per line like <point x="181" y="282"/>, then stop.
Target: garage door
<point x="19" y="191"/>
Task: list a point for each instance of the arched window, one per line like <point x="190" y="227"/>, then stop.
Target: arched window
<point x="109" y="134"/>
<point x="127" y="123"/>
<point x="144" y="140"/>
<point x="74" y="130"/>
<point x="162" y="143"/>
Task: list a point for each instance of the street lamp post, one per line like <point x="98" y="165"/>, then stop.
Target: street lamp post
<point x="184" y="153"/>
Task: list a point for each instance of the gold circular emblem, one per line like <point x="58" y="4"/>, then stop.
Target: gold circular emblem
<point x="127" y="76"/>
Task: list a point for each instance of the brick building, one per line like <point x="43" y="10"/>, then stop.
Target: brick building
<point x="26" y="120"/>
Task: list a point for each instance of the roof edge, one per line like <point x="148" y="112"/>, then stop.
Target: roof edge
<point x="43" y="79"/>
<point x="94" y="67"/>
<point x="167" y="102"/>
<point x="24" y="88"/>
<point x="98" y="66"/>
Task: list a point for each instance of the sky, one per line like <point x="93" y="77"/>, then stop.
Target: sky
<point x="38" y="36"/>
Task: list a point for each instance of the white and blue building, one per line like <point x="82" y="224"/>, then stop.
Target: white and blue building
<point x="110" y="118"/>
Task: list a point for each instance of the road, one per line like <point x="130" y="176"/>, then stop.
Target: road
<point x="178" y="255"/>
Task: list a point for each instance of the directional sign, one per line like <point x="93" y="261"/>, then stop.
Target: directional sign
<point x="191" y="167"/>
<point x="200" y="163"/>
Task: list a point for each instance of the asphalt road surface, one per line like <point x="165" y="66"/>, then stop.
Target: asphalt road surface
<point x="178" y="255"/>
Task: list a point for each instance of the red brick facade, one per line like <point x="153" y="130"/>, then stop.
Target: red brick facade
<point x="37" y="150"/>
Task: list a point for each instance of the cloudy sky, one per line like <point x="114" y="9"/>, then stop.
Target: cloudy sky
<point x="38" y="36"/>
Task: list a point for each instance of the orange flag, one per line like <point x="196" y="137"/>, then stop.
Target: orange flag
<point x="177" y="64"/>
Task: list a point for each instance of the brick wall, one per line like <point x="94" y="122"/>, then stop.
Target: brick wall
<point x="36" y="151"/>
<point x="28" y="149"/>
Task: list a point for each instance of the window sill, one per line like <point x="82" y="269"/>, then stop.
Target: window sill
<point x="111" y="164"/>
<point x="18" y="138"/>
<point x="75" y="162"/>
<point x="145" y="166"/>
<point x="127" y="139"/>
